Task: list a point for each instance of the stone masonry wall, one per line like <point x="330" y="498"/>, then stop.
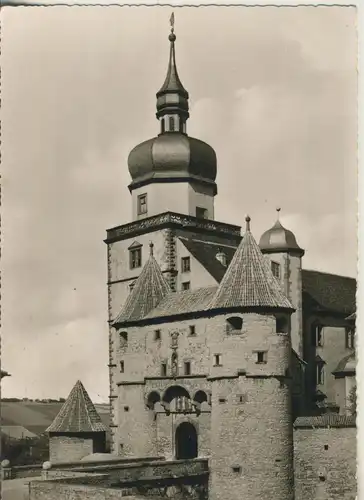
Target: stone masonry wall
<point x="66" y="449"/>
<point x="325" y="464"/>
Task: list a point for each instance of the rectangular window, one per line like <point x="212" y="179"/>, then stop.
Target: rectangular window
<point x="201" y="213"/>
<point x="164" y="369"/>
<point x="122" y="366"/>
<point x="320" y="374"/>
<point x="350" y="338"/>
<point x="187" y="368"/>
<point x="261" y="357"/>
<point x="276" y="269"/>
<point x="317" y="337"/>
<point x="217" y="360"/>
<point x="123" y="339"/>
<point x="135" y="258"/>
<point x="157" y="334"/>
<point x="186" y="285"/>
<point x="186" y="264"/>
<point x="142" y="204"/>
<point x="192" y="331"/>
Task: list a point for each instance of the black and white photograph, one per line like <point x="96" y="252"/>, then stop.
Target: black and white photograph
<point x="179" y="252"/>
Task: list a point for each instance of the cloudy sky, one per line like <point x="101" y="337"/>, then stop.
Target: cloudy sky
<point x="273" y="90"/>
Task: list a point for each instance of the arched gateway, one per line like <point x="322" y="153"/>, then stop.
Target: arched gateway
<point x="186" y="441"/>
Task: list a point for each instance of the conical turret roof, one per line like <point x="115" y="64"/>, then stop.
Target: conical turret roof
<point x="78" y="414"/>
<point x="248" y="281"/>
<point x="149" y="289"/>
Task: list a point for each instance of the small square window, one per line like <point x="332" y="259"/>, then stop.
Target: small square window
<point x="236" y="469"/>
<point x="192" y="331"/>
<point x="164" y="369"/>
<point x="217" y="360"/>
<point x="186" y="264"/>
<point x="186" y="285"/>
<point x="222" y="400"/>
<point x="276" y="269"/>
<point x="142" y="204"/>
<point x="157" y="334"/>
<point x="326" y="446"/>
<point x="261" y="357"/>
<point x="187" y="368"/>
<point x="123" y="338"/>
<point x="122" y="366"/>
<point x="126" y="408"/>
<point x="135" y="258"/>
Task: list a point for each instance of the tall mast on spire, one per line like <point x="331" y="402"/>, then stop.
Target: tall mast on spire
<point x="172" y="98"/>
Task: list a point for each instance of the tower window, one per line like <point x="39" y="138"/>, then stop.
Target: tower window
<point x="217" y="360"/>
<point x="261" y="357"/>
<point x="186" y="264"/>
<point x="157" y="334"/>
<point x="349" y="338"/>
<point x="135" y="258"/>
<point x="186" y="285"/>
<point x="164" y="369"/>
<point x="122" y="366"/>
<point x="317" y="337"/>
<point x="192" y="331"/>
<point x="171" y="124"/>
<point x="142" y="204"/>
<point x="163" y="126"/>
<point x="187" y="368"/>
<point x="201" y="213"/>
<point x="234" y="324"/>
<point x="123" y="336"/>
<point x="281" y="325"/>
<point x="276" y="269"/>
<point x="320" y="373"/>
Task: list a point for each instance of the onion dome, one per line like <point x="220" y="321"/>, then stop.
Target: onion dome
<point x="248" y="281"/>
<point x="279" y="239"/>
<point x="172" y="156"/>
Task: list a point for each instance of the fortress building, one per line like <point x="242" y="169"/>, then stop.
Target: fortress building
<point x="222" y="348"/>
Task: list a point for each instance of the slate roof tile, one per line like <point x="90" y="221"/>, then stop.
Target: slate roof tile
<point x="327" y="420"/>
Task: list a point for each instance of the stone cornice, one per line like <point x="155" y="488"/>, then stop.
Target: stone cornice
<point x="170" y="220"/>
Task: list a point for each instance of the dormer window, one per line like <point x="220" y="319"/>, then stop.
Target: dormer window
<point x="131" y="286"/>
<point x="276" y="269"/>
<point x="142" y="204"/>
<point x="201" y="213"/>
<point x="234" y="324"/>
<point x="221" y="257"/>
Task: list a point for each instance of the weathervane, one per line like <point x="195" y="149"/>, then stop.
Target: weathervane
<point x="171" y="21"/>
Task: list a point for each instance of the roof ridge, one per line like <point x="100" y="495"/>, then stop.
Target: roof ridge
<point x="329" y="274"/>
<point x="248" y="281"/>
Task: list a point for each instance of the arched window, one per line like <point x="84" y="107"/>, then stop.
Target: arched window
<point x="171" y="124"/>
<point x="282" y="324"/>
<point x="234" y="324"/>
<point x="123" y="338"/>
<point x="163" y="125"/>
<point x="152" y="399"/>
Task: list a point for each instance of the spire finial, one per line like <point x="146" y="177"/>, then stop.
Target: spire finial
<point x="278" y="209"/>
<point x="172" y="36"/>
<point x="151" y="246"/>
<point x="247" y="220"/>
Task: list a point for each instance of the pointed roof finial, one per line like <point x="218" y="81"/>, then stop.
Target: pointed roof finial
<point x="171" y="22"/>
<point x="278" y="209"/>
<point x="151" y="246"/>
<point x="247" y="220"/>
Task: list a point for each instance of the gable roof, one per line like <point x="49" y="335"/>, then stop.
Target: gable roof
<point x="206" y="252"/>
<point x="248" y="281"/>
<point x="78" y="414"/>
<point x="149" y="289"/>
<point x="329" y="292"/>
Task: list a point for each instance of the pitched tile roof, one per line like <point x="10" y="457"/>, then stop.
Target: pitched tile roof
<point x="346" y="364"/>
<point x="248" y="281"/>
<point x="183" y="302"/>
<point x="78" y="414"/>
<point x="205" y="253"/>
<point x="329" y="292"/>
<point x="149" y="289"/>
<point x="327" y="420"/>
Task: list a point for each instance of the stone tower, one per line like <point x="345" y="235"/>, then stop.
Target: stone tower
<point x="77" y="430"/>
<point x="280" y="246"/>
<point x="251" y="419"/>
